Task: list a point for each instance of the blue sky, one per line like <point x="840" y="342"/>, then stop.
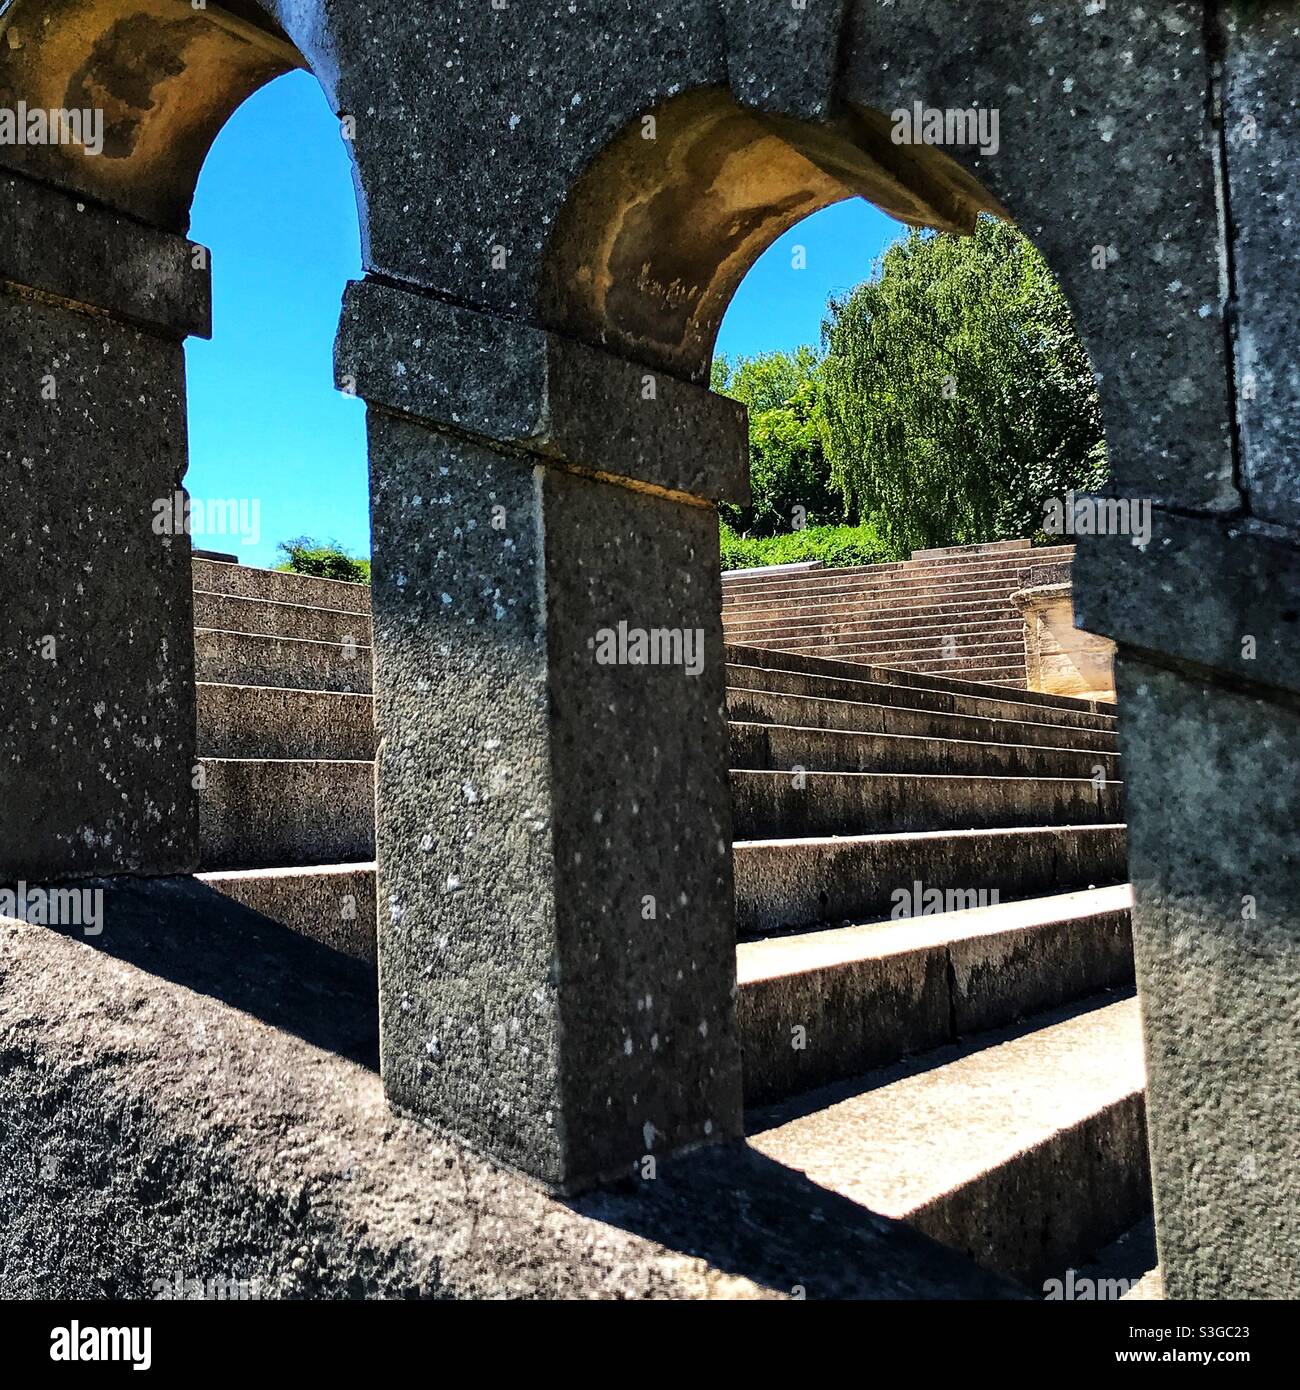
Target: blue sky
<point x="275" y="204"/>
<point x="778" y="307"/>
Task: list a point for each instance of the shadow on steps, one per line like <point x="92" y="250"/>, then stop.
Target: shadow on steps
<point x="185" y="932"/>
<point x="750" y="1216"/>
<point x="280" y="1144"/>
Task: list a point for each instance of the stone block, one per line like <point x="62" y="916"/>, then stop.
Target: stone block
<point x="1212" y="793"/>
<point x="1261" y="131"/>
<point x="783" y="57"/>
<point x="1219" y="596"/>
<point x="517" y="385"/>
<point x="64" y="246"/>
<point x="248" y="1101"/>
<point x="1059" y="657"/>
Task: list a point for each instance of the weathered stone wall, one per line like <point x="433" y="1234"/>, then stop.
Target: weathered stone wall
<point x="1206" y="620"/>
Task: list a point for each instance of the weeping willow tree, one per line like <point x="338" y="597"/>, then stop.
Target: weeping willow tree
<point x="957" y="395"/>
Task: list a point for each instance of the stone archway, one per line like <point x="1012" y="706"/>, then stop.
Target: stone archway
<point x="530" y="802"/>
<point x="1149" y="267"/>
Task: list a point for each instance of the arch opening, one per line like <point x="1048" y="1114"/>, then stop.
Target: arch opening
<point x="667" y="220"/>
<point x="283" y="666"/>
<point x="230" y="678"/>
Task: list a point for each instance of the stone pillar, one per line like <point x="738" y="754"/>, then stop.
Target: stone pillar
<point x="1207" y="617"/>
<point x="97" y="711"/>
<point x="1209" y="694"/>
<point x="556" y="933"/>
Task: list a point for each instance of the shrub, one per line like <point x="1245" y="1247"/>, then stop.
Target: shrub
<point x="832" y="545"/>
<point x="324" y="560"/>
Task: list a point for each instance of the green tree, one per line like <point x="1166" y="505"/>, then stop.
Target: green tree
<point x="789" y="474"/>
<point x="957" y="395"/>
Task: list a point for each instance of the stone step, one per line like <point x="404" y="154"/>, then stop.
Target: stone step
<point x="253" y="721"/>
<point x="865" y="581"/>
<point x="772" y="571"/>
<point x="813" y="585"/>
<point x="995" y="671"/>
<point x="811" y="712"/>
<point x="882" y="595"/>
<point x="834" y="880"/>
<point x="927" y="647"/>
<point x="990" y="671"/>
<point x="268" y="618"/>
<point x="823" y="1005"/>
<point x="984" y="672"/>
<point x="274" y="722"/>
<point x="738" y="581"/>
<point x="908" y="621"/>
<point x="739" y="654"/>
<point x="237" y="721"/>
<point x="1025" y="1149"/>
<point x="865" y="636"/>
<point x="331" y="903"/>
<point x="784" y="747"/>
<point x="215" y="1085"/>
<point x="241" y="658"/>
<point x="924" y="632"/>
<point x="281" y="586"/>
<point x="980" y="548"/>
<point x="259" y="813"/>
<point x="903" y="569"/>
<point x="766" y="805"/>
<point x="886" y="650"/>
<point x="256" y="813"/>
<point x="871" y="686"/>
<point x="829" y="584"/>
<point x="779" y="639"/>
<point x="987" y="667"/>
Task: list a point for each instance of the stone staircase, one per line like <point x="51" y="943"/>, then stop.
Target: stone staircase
<point x="946" y="612"/>
<point x="975" y="1071"/>
<point x="286" y="741"/>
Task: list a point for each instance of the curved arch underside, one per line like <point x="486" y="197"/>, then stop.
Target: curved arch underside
<point x="666" y="221"/>
<point x="167" y="77"/>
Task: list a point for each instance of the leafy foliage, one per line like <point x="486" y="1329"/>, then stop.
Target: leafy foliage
<point x="832" y="545"/>
<point x="323" y="559"/>
<point x="789" y="474"/>
<point x="957" y="395"/>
